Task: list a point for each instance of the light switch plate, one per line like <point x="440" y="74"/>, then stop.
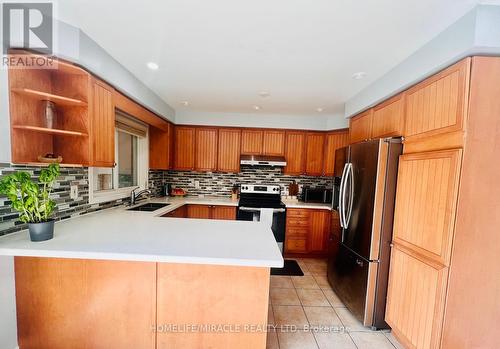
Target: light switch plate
<point x="73" y="191"/>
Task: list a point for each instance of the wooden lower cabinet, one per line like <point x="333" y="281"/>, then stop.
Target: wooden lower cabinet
<point x="199" y="211"/>
<point x="101" y="304"/>
<point x="81" y="303"/>
<point x="180" y="212"/>
<point x="307" y="231"/>
<point x="211" y="212"/>
<point x="416" y="299"/>
<point x="190" y="294"/>
<point x="224" y="212"/>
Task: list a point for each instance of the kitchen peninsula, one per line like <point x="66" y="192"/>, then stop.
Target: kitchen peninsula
<point x="124" y="279"/>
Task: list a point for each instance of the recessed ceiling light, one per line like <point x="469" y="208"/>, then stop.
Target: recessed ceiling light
<point x="264" y="94"/>
<point x="185" y="103"/>
<point x="256" y="107"/>
<point x="153" y="65"/>
<point x="319" y="109"/>
<point x="359" y="75"/>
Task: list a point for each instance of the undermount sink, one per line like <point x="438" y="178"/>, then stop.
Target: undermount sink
<point x="148" y="207"/>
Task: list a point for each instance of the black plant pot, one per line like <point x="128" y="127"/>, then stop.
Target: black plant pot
<point x="41" y="231"/>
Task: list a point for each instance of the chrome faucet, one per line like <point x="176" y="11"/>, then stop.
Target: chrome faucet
<point x="134" y="196"/>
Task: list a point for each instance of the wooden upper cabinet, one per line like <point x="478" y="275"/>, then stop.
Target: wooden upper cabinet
<point x="251" y="142"/>
<point x="224" y="212"/>
<point x="360" y="127"/>
<point x="273" y="143"/>
<point x="295" y="147"/>
<point x="333" y="141"/>
<point x="184" y="148"/>
<point x="229" y="150"/>
<point x="315" y="149"/>
<point x="388" y="118"/>
<point x="206" y="149"/>
<point x="439" y="104"/>
<point x="102" y="129"/>
<point x="426" y="200"/>
<point x="160" y="148"/>
<point x="319" y="228"/>
<point x="415" y="300"/>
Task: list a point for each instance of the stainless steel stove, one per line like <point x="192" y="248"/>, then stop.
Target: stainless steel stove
<point x="253" y="198"/>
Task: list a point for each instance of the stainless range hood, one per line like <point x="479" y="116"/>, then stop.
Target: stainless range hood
<point x="263" y="160"/>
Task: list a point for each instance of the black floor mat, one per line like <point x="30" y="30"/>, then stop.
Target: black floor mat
<point x="291" y="268"/>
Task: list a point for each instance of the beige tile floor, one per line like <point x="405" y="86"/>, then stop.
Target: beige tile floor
<point x="298" y="302"/>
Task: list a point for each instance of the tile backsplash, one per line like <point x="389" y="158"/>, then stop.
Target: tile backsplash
<point x="196" y="183"/>
<point x="220" y="184"/>
<point x="66" y="207"/>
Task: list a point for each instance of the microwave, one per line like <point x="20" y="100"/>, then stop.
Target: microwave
<point x="317" y="195"/>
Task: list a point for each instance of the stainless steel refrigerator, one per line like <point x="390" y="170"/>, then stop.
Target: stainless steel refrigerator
<point x="358" y="270"/>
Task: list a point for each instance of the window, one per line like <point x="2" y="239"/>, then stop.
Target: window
<point x="131" y="169"/>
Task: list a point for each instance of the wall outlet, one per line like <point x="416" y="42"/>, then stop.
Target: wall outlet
<point x="197" y="184"/>
<point x="73" y="191"/>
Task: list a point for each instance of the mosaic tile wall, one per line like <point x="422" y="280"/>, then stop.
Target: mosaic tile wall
<point x="216" y="184"/>
<point x="66" y="207"/>
<point x="220" y="184"/>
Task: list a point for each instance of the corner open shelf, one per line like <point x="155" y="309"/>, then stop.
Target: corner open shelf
<point x="68" y="87"/>
<point x="44" y="96"/>
<point x="52" y="131"/>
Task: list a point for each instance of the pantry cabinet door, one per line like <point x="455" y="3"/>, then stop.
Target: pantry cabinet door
<point x="333" y="141"/>
<point x="438" y="104"/>
<point x="388" y="118"/>
<point x="295" y="152"/>
<point x="360" y="127"/>
<point x="229" y="150"/>
<point x="426" y="200"/>
<point x="273" y="143"/>
<point x="251" y="142"/>
<point x="416" y="300"/>
<point x="206" y="149"/>
<point x="315" y="148"/>
<point x="184" y="148"/>
<point x="102" y="125"/>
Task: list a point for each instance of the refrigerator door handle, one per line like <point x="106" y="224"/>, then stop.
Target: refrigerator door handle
<point x="341" y="196"/>
<point x="350" y="175"/>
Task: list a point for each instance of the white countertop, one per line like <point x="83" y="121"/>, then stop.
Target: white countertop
<point x="118" y="234"/>
<point x="301" y="204"/>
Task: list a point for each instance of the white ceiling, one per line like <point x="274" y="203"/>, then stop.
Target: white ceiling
<point x="220" y="54"/>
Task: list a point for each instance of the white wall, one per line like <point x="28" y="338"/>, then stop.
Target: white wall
<point x="76" y="46"/>
<point x="476" y="33"/>
<point x="4" y="118"/>
<point x="8" y="320"/>
<point x="306" y="122"/>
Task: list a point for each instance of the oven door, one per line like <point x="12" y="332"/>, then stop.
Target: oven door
<point x="278" y="225"/>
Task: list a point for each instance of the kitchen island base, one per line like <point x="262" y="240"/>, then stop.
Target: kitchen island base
<point x="84" y="303"/>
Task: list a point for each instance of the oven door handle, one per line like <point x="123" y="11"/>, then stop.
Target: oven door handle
<point x="253" y="209"/>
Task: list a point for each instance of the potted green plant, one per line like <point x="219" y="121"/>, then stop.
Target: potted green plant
<point x="32" y="200"/>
